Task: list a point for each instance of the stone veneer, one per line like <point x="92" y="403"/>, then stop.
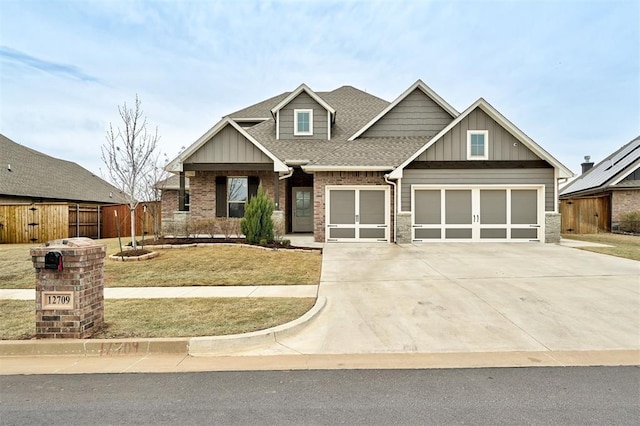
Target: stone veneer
<point x="82" y="276"/>
<point x="552" y="224"/>
<point x="403" y="228"/>
<point x="322" y="179"/>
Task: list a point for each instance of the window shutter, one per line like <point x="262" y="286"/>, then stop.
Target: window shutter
<point x="221" y="196"/>
<point x="254" y="182"/>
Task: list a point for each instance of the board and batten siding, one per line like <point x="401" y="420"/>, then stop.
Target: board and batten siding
<point x="228" y="146"/>
<point x="452" y="146"/>
<point x="304" y="101"/>
<point x="478" y="177"/>
<point x="415" y="115"/>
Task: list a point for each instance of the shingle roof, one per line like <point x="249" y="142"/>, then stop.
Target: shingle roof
<point x="37" y="175"/>
<point x="604" y="174"/>
<point x="354" y="109"/>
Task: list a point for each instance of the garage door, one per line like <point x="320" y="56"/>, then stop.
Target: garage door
<point x="357" y="213"/>
<point x="479" y="213"/>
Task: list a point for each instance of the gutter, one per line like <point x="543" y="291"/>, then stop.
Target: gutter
<point x="395" y="207"/>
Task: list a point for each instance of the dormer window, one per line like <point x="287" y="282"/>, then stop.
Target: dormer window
<point x="303" y="122"/>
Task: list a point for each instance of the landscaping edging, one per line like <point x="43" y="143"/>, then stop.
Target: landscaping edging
<point x="191" y="245"/>
<point x="134" y="258"/>
<point x="193" y="346"/>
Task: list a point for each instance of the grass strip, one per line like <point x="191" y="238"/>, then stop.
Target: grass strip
<point x="146" y="318"/>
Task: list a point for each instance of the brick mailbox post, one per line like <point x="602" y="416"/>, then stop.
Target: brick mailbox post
<point x="69" y="288"/>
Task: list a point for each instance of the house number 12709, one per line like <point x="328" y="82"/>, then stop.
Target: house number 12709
<point x="57" y="300"/>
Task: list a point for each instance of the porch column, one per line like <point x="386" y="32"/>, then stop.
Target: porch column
<point x="181" y="206"/>
<point x="276" y="190"/>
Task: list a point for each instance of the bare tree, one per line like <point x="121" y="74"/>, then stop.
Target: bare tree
<point x="128" y="156"/>
<point x="155" y="182"/>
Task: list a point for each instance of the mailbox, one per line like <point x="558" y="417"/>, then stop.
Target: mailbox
<point x="53" y="260"/>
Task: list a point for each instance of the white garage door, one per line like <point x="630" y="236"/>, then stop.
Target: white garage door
<point x="478" y="213"/>
<point x="357" y="213"/>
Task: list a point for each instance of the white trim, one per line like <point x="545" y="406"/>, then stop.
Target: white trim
<point x="632" y="169"/>
<point x="296" y="112"/>
<point x="346" y="168"/>
<point x="228" y="187"/>
<point x="556" y="191"/>
<point x="277" y="125"/>
<point x="484" y="156"/>
<point x="295" y="93"/>
<point x="176" y="165"/>
<point x="417" y="85"/>
<point x="243" y="119"/>
<point x="328" y="125"/>
<point x="563" y="171"/>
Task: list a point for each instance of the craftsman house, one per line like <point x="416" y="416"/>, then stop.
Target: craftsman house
<point x="348" y="166"/>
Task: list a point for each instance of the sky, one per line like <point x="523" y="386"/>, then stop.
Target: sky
<point x="566" y="72"/>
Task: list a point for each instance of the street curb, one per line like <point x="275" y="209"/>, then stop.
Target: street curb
<point x="186" y="345"/>
<point x="225" y="345"/>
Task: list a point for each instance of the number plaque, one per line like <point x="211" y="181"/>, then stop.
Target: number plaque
<point x="57" y="300"/>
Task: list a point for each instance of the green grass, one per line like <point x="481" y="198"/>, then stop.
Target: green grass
<point x="627" y="246"/>
<point x="211" y="265"/>
<point x="168" y="318"/>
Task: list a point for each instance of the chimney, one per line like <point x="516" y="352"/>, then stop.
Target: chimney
<point x="587" y="164"/>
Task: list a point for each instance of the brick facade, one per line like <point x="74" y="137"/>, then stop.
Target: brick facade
<point x="170" y="198"/>
<point x="322" y="179"/>
<point x="202" y="189"/>
<point x="624" y="201"/>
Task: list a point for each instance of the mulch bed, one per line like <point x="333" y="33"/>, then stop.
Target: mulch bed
<point x="184" y="241"/>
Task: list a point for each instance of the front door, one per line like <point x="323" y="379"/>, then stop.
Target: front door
<point x="302" y="210"/>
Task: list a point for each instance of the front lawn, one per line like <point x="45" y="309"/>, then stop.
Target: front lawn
<point x="168" y="317"/>
<point x="210" y="265"/>
<point x="627" y="246"/>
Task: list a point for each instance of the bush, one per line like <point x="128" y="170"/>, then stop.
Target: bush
<point x="257" y="224"/>
<point x="630" y="222"/>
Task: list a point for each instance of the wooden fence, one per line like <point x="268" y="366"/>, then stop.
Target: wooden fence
<point x="42" y="222"/>
<point x="586" y="215"/>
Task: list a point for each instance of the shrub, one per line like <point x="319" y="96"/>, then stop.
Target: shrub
<point x="630" y="222"/>
<point x="257" y="224"/>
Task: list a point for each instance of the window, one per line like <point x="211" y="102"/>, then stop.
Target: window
<point x="237" y="195"/>
<point x="303" y="122"/>
<point x="477" y="145"/>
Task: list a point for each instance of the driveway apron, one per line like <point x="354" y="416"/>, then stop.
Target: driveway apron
<point x="456" y="297"/>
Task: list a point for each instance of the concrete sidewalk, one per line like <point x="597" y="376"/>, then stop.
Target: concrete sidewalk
<point x="186" y="292"/>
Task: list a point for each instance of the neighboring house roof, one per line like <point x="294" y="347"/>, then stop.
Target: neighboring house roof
<point x="172" y="182"/>
<point x="610" y="173"/>
<point x="25" y="172"/>
<point x="563" y="172"/>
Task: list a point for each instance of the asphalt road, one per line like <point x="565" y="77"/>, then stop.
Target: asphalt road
<point x="561" y="395"/>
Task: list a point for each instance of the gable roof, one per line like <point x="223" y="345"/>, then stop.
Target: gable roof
<point x="608" y="173"/>
<point x="177" y="163"/>
<point x="563" y="172"/>
<point x="295" y="93"/>
<point x="418" y="85"/>
<point x="25" y="172"/>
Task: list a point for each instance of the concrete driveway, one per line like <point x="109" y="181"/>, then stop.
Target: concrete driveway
<point x="471" y="298"/>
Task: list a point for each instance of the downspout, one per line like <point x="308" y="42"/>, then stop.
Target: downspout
<point x="395" y="209"/>
<point x="287" y="176"/>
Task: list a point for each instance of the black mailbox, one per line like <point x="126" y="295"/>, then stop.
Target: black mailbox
<point x="53" y="260"/>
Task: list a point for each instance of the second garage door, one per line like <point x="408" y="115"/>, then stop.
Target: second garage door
<point x="477" y="213"/>
<point x="357" y="213"/>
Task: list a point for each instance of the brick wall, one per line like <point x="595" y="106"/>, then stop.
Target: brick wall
<point x="170" y="204"/>
<point x="322" y="179"/>
<point x="624" y="201"/>
<point x="82" y="276"/>
<point x="202" y="189"/>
